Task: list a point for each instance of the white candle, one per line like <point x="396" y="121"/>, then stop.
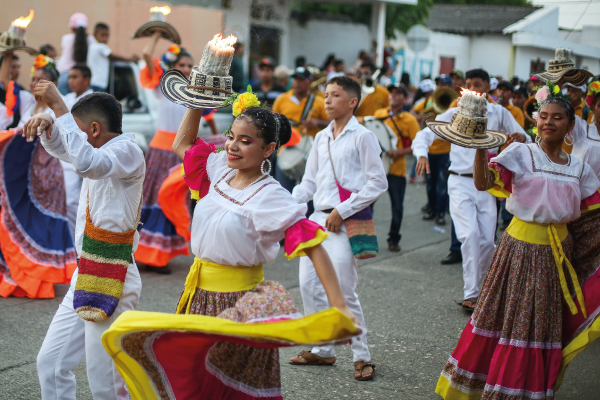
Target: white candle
<point x="217" y="56"/>
<point x="472" y="104"/>
<point x="159" y="13"/>
<point x="18" y="26"/>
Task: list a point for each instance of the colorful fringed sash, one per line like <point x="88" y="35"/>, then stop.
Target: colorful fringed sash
<point x="360" y="227"/>
<point x="103" y="263"/>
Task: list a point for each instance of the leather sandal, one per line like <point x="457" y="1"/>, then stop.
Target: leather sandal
<point x="358" y="371"/>
<point x="469" y="304"/>
<point x="308" y="358"/>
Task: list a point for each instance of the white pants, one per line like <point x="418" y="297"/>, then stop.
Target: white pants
<point x="474" y="216"/>
<point x="72" y="190"/>
<point x="69" y="338"/>
<point x="314" y="297"/>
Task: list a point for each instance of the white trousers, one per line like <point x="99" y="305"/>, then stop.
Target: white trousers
<point x="69" y="338"/>
<point x="474" y="216"/>
<point x="72" y="190"/>
<point x="314" y="297"/>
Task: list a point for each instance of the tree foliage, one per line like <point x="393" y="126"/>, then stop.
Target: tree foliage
<point x="399" y="16"/>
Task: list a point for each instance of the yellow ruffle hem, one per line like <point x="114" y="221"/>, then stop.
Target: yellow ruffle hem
<point x="215" y="277"/>
<point x="319" y="238"/>
<point x="329" y="326"/>
<point x="498" y="190"/>
<point x="551" y="235"/>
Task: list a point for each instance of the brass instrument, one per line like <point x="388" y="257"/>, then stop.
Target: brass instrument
<point x="441" y="100"/>
<point x="528" y="108"/>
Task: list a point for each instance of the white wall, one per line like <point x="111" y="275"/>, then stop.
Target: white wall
<point x="524" y="56"/>
<point x="317" y="38"/>
<point x="492" y="53"/>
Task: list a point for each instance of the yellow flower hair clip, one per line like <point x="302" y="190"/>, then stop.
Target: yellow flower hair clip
<point x="41" y="61"/>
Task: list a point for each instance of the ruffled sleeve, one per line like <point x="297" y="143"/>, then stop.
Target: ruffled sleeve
<point x="502" y="181"/>
<point x="12" y="98"/>
<point x="304" y="234"/>
<point x="151" y="82"/>
<point x="590" y="189"/>
<point x="194" y="168"/>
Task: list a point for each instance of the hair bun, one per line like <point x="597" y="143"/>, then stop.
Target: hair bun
<point x="285" y="129"/>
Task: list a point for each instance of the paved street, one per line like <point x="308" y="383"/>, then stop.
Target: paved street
<point x="410" y="306"/>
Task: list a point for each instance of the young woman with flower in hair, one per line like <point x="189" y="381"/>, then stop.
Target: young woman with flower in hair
<point x="515" y="345"/>
<point x="35" y="236"/>
<point x="242" y="215"/>
<point x="163" y="237"/>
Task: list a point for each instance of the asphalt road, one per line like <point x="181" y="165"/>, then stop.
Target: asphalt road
<point x="409" y="301"/>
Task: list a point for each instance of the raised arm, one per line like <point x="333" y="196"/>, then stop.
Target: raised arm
<point x="484" y="180"/>
<point x="149" y="51"/>
<point x="187" y="132"/>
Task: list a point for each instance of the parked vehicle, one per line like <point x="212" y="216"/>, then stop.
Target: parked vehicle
<point x="140" y="105"/>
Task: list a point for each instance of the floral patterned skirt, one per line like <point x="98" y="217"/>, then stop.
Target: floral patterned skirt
<point x="512" y="346"/>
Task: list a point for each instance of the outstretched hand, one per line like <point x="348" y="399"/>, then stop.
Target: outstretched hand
<point x="37" y="125"/>
<point x="48" y="92"/>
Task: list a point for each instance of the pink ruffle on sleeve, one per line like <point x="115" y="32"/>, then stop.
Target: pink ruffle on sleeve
<point x="194" y="168"/>
<point x="302" y="235"/>
<point x="591" y="203"/>
<point x="503" y="180"/>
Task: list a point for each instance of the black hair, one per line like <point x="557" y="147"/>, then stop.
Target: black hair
<point x="100" y="26"/>
<point x="399" y="88"/>
<point x="86" y="72"/>
<point x="182" y="53"/>
<point x="506" y="85"/>
<point x="338" y="62"/>
<point x="45" y="49"/>
<point x="328" y="60"/>
<point x="478" y="73"/>
<point x="300" y="61"/>
<point x="102" y="108"/>
<point x="384" y="69"/>
<point x="272" y="127"/>
<point x="80" y="47"/>
<point x="50" y="72"/>
<point x="368" y="64"/>
<point x="521" y="90"/>
<point x="564" y="103"/>
<point x="349" y="85"/>
<point x="405" y="79"/>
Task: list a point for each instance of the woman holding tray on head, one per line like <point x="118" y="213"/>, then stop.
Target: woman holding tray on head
<point x="242" y="216"/>
<point x="514" y="345"/>
<point x="163" y="237"/>
<point x="36" y="245"/>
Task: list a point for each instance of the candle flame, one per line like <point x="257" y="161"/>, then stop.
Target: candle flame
<point x="165" y="10"/>
<point x="223" y="43"/>
<point x="22" y="22"/>
<point x="467" y="91"/>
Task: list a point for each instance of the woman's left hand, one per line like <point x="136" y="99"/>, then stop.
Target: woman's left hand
<point x="344" y="309"/>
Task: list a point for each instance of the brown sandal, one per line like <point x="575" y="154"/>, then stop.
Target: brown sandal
<point x="358" y="371"/>
<point x="469" y="304"/>
<point x="308" y="358"/>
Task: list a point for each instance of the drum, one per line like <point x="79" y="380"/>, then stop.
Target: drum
<point x="292" y="160"/>
<point x="387" y="140"/>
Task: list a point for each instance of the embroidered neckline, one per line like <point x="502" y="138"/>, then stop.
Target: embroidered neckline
<point x="568" y="164"/>
<point x="234" y="201"/>
<point x="595" y="139"/>
<point x="555" y="169"/>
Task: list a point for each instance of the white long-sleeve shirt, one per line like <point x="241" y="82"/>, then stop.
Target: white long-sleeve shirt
<point x="461" y="158"/>
<point x="113" y="175"/>
<point x="358" y="168"/>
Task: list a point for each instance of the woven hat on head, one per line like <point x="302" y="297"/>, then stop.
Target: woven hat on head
<point x="167" y="31"/>
<point x="199" y="91"/>
<point x="563" y="66"/>
<point x="468" y="127"/>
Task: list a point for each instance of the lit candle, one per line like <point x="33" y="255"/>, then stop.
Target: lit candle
<point x="18" y="26"/>
<point x="472" y="104"/>
<point x="159" y="13"/>
<point x="217" y="56"/>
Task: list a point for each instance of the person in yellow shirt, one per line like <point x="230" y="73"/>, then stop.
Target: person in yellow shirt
<point x="505" y="91"/>
<point x="405" y="126"/>
<point x="305" y="111"/>
<point x="374" y="101"/>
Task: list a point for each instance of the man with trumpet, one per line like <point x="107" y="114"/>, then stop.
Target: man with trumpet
<point x="373" y="95"/>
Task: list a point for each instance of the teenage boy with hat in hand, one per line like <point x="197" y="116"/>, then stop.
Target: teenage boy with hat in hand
<point x="473" y="212"/>
<point x="353" y="152"/>
<point x="405" y="126"/>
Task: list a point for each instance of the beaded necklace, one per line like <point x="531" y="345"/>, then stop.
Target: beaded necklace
<point x="233" y="174"/>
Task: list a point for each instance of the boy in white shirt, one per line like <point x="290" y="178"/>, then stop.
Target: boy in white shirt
<point x="113" y="169"/>
<point x="79" y="83"/>
<point x="99" y="57"/>
<point x="355" y="155"/>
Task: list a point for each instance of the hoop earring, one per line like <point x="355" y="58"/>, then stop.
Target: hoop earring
<point x="565" y="140"/>
<point x="262" y="167"/>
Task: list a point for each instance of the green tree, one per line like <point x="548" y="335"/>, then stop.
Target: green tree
<point x="399" y="16"/>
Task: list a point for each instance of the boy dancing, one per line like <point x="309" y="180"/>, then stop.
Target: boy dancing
<point x="358" y="168"/>
<point x="113" y="168"/>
